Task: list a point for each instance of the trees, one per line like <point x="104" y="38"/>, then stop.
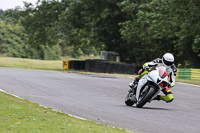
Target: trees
<point x="160" y="26"/>
<point x="92" y="24"/>
<point x="138" y="30"/>
<point x="41" y="25"/>
<point x="12" y="40"/>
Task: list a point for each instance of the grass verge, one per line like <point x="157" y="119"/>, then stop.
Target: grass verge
<point x="56" y="66"/>
<point x="30" y="63"/>
<point x="18" y="115"/>
<point x="194" y="82"/>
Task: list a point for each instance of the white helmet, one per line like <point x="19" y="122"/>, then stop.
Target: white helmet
<point x="168" y="59"/>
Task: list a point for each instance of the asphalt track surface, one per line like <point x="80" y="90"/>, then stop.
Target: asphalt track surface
<point x="101" y="98"/>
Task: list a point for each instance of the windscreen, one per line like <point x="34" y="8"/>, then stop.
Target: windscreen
<point x="162" y="72"/>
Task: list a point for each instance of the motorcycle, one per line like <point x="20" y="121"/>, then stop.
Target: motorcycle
<point x="148" y="87"/>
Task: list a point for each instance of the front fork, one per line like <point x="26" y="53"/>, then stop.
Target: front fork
<point x="155" y="95"/>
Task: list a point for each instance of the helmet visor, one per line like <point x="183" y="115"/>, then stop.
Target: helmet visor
<point x="168" y="63"/>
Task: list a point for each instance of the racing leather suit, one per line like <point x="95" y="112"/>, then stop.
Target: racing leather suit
<point x="172" y="76"/>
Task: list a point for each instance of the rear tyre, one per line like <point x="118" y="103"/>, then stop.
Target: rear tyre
<point x="130" y="99"/>
<point x="145" y="97"/>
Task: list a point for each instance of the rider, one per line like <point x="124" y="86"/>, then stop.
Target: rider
<point x="167" y="61"/>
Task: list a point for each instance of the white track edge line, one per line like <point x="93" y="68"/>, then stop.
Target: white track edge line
<point x="188" y="84"/>
<point x="177" y="82"/>
<point x="60" y="111"/>
<point x="43" y="106"/>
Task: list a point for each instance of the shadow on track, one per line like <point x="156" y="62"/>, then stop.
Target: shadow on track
<point x="146" y="108"/>
<point x="155" y="108"/>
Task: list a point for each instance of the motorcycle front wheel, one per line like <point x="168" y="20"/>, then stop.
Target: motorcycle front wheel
<point x="145" y="97"/>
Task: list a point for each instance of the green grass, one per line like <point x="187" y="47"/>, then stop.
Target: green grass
<point x="21" y="116"/>
<point x="30" y="63"/>
<point x="194" y="82"/>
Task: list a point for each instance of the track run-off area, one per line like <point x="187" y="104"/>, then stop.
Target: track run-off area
<point x="100" y="98"/>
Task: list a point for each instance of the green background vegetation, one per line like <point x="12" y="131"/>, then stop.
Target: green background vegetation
<point x="138" y="30"/>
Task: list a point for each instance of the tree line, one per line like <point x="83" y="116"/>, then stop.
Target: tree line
<point x="138" y="30"/>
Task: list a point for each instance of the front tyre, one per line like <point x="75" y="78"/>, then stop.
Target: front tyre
<point x="130" y="99"/>
<point x="145" y="97"/>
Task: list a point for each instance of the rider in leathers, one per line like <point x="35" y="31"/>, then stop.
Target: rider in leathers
<point x="167" y="61"/>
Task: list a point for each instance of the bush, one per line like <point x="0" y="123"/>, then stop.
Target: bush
<point x="45" y="53"/>
<point x="51" y="53"/>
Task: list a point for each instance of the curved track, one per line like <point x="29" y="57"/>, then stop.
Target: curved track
<point x="101" y="98"/>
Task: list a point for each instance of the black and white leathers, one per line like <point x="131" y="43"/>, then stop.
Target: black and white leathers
<point x="171" y="70"/>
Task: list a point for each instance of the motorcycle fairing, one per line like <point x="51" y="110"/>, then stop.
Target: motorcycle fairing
<point x="148" y="77"/>
<point x="141" y="83"/>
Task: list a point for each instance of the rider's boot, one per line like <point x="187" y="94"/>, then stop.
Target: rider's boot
<point x="133" y="85"/>
<point x="157" y="98"/>
<point x="135" y="81"/>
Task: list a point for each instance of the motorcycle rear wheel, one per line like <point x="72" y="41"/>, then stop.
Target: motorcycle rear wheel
<point x="129" y="101"/>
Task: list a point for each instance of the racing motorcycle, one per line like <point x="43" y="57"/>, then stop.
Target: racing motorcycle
<point x="148" y="87"/>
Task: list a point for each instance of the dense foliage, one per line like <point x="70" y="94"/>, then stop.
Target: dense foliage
<point x="12" y="40"/>
<point x="138" y="30"/>
<point x="160" y="26"/>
